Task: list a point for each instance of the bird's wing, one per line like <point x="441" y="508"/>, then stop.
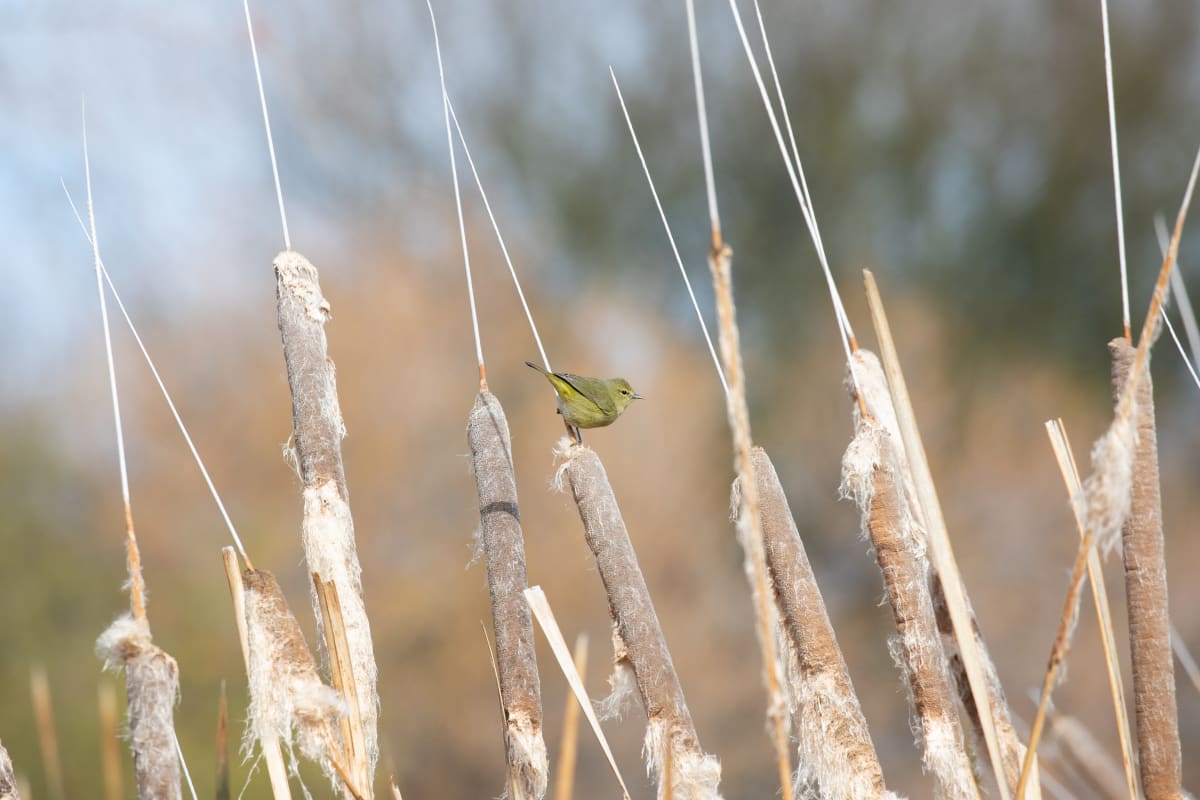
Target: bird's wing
<point x="593" y="389"/>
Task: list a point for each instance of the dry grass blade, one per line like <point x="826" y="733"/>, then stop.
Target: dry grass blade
<point x="110" y="758"/>
<point x="268" y="743"/>
<point x="568" y="750"/>
<point x="43" y="714"/>
<point x="836" y="751"/>
<point x="1156" y="713"/>
<point x="1070" y="475"/>
<point x="8" y="782"/>
<point x="504" y="552"/>
<point x="352" y="754"/>
<point x="940" y="551"/>
<point x="317" y="430"/>
<point x="558" y="645"/>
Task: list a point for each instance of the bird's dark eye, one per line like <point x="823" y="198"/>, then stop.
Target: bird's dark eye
<point x="624" y="391"/>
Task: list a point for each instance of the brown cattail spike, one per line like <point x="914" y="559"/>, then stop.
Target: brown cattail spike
<point x="504" y="551"/>
<point x="669" y="723"/>
<point x="151" y="689"/>
<point x="836" y="752"/>
<point x="1146" y="587"/>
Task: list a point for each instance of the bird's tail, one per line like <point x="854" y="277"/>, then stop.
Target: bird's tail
<point x="535" y="366"/>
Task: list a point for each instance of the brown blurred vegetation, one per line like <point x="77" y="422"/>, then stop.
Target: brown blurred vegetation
<point x="958" y="149"/>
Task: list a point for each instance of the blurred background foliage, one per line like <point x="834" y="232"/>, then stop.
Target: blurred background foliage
<point x="960" y="149"/>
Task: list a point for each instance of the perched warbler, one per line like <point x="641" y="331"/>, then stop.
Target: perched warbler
<point x="589" y="402"/>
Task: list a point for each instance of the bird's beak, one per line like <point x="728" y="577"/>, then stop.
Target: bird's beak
<point x="637" y="397"/>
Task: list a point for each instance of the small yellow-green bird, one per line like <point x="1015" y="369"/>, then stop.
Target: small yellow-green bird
<point x="589" y="402"/>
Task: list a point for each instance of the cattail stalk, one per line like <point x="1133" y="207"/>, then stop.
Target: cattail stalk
<point x="880" y="443"/>
<point x="268" y="743"/>
<point x="1107" y="496"/>
<point x="836" y="752"/>
<point x="288" y="702"/>
<point x="151" y="691"/>
<point x="669" y="723"/>
<point x="872" y="475"/>
<point x="504" y="551"/>
<point x="317" y="431"/>
<point x="1146" y="589"/>
<point x="938" y="538"/>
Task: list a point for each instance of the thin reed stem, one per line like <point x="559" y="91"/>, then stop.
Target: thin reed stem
<point x="800" y="188"/>
<point x="262" y="98"/>
<point x="674" y="249"/>
<point x="462" y="228"/>
<point x="499" y="238"/>
<point x="137" y="586"/>
<point x="110" y="758"/>
<point x="43" y="715"/>
<point x="237" y="540"/>
<point x="749" y="520"/>
<point x="1180" y="292"/>
<point x="1116" y="164"/>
